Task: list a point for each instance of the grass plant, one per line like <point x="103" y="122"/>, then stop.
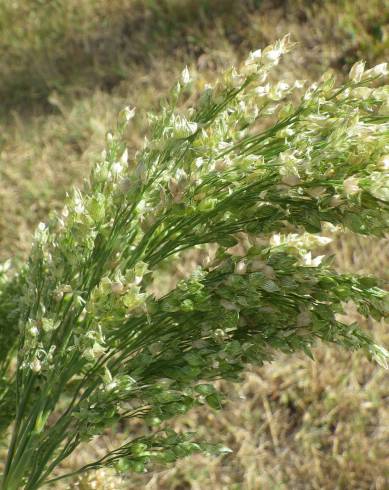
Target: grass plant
<point x="254" y="167"/>
<point x="293" y="423"/>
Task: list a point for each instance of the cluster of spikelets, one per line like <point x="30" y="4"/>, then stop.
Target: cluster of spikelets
<point x="253" y="167"/>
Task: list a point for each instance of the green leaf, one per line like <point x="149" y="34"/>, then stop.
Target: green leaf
<point x="214" y="401"/>
<point x="205" y="389"/>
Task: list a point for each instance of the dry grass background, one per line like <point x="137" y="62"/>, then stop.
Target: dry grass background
<point x="66" y="68"/>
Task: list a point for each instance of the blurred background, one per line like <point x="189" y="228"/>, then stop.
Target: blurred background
<point x="66" y="68"/>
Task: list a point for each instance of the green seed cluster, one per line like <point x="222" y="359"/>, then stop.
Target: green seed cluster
<point x="252" y="170"/>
